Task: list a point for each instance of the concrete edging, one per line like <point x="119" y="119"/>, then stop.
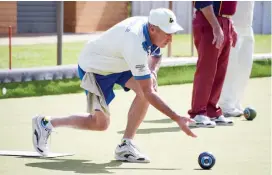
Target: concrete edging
<point x="70" y="71"/>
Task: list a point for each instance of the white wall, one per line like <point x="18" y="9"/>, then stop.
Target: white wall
<point x="183" y="11"/>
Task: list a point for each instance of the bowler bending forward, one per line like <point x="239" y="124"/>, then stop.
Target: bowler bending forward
<point x="127" y="54"/>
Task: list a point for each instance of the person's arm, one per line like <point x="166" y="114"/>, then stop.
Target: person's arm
<point x="210" y="16"/>
<point x="158" y="103"/>
<point x="155" y="100"/>
<point x="206" y="7"/>
<point x="234" y="36"/>
<point x="137" y="60"/>
<point x="155" y="60"/>
<point x="154" y="64"/>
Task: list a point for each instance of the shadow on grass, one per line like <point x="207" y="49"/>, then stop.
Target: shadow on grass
<point x="76" y="166"/>
<point x="156" y="130"/>
<point x="159" y="121"/>
<point x="200" y="169"/>
<point x="83" y="166"/>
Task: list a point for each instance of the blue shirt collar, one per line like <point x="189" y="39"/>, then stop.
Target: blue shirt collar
<point x="146" y="35"/>
<point x="147" y="44"/>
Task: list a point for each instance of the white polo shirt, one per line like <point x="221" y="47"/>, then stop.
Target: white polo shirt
<point x="123" y="47"/>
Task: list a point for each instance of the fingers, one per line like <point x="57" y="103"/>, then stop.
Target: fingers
<point x="187" y="130"/>
<point x="234" y="40"/>
<point x="192" y="135"/>
<point x="214" y="40"/>
<point x="219" y="42"/>
<point x="233" y="44"/>
<point x="218" y="37"/>
<point x="190" y="120"/>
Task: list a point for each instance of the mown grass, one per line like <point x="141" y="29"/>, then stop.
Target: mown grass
<point x="39" y="55"/>
<point x="166" y="76"/>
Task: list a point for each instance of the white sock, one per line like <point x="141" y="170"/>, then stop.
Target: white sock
<point x="48" y="123"/>
<point x="126" y="140"/>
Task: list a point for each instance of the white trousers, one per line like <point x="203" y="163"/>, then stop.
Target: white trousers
<point x="238" y="71"/>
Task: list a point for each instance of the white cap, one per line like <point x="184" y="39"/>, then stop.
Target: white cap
<point x="165" y="19"/>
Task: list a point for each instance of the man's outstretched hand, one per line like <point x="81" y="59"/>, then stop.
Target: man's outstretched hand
<point x="183" y="124"/>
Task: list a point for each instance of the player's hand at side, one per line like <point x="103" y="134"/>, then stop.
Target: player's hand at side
<point x="234" y="37"/>
<point x="218" y="37"/>
<point x="183" y="124"/>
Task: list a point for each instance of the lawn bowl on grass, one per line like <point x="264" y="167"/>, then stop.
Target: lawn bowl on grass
<point x="250" y="113"/>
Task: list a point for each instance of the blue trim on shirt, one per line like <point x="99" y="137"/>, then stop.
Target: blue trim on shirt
<point x="147" y="36"/>
<point x="147" y="44"/>
<point x="144" y="77"/>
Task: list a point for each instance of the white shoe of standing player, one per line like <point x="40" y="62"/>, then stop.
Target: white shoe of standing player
<point x="202" y="121"/>
<point x="233" y="113"/>
<point x="223" y="121"/>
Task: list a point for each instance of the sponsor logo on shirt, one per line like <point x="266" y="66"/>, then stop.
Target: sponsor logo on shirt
<point x="140" y="67"/>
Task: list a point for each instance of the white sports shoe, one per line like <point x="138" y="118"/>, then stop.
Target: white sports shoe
<point x="233" y="113"/>
<point x="239" y="107"/>
<point x="202" y="121"/>
<point x="221" y="120"/>
<point x="127" y="151"/>
<point x="40" y="135"/>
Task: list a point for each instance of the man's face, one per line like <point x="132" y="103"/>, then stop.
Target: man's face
<point x="159" y="37"/>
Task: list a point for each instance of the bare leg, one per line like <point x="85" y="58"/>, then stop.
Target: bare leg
<point x="137" y="110"/>
<point x="127" y="151"/>
<point x="99" y="121"/>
